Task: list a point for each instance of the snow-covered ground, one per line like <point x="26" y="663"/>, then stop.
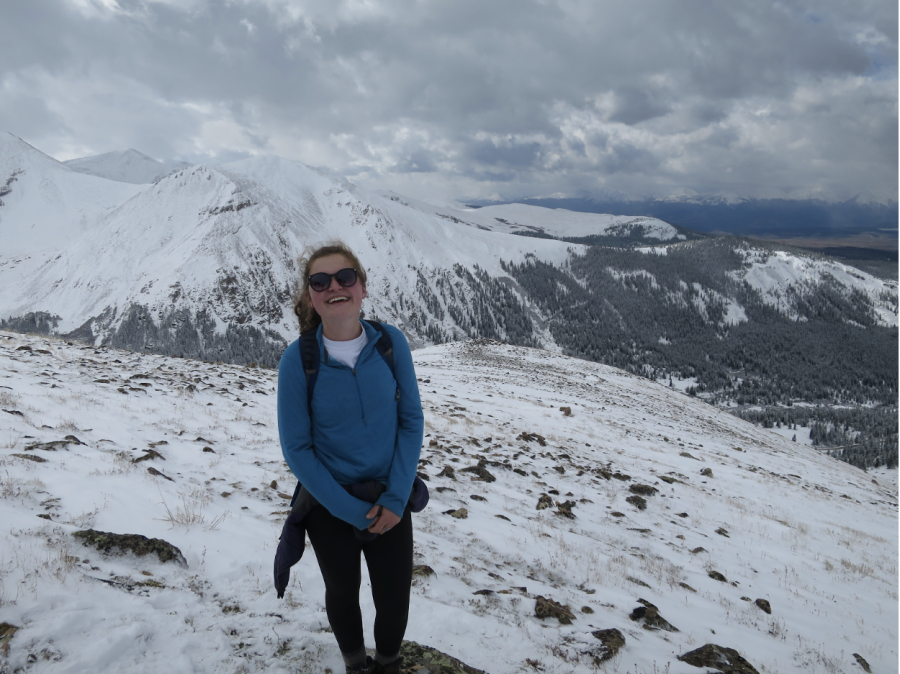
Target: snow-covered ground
<point x="815" y="537"/>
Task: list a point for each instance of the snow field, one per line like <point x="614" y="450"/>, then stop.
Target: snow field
<point x="815" y="537"/>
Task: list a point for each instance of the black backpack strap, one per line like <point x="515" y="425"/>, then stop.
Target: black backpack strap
<point x="309" y="355"/>
<point x="385" y="347"/>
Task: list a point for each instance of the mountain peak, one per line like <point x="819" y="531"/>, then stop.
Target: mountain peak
<point x="127" y="166"/>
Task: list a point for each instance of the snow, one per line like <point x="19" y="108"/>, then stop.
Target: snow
<point x="776" y="274"/>
<point x="48" y="205"/>
<point x="224" y="240"/>
<point x="816" y="537"/>
<point x="129" y="166"/>
<point x="556" y="222"/>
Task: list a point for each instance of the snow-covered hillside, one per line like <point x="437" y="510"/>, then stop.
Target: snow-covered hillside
<point x="44" y="205"/>
<point x="127" y="166"/>
<point x="551" y="222"/>
<point x="651" y="498"/>
<point x="202" y="263"/>
<point x="782" y="279"/>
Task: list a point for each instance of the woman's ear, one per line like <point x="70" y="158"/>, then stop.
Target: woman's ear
<point x="365" y="292"/>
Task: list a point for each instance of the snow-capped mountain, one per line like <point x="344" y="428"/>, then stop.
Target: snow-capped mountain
<point x="127" y="166"/>
<point x="581" y="520"/>
<point x="551" y="223"/>
<point x="202" y="263"/>
<point x="45" y="205"/>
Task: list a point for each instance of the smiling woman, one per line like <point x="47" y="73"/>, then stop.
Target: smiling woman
<point x="354" y="446"/>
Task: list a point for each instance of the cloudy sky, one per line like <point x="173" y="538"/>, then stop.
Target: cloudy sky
<point x="473" y="98"/>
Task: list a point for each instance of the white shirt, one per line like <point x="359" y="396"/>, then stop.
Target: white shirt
<point x="346" y="352"/>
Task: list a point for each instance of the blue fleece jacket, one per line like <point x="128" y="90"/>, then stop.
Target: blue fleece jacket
<point x="359" y="430"/>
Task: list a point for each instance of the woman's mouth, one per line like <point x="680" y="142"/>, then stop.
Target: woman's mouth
<point x="334" y="300"/>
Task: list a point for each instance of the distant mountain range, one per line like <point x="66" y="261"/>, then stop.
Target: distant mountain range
<point x="812" y="222"/>
<point x="201" y="263"/>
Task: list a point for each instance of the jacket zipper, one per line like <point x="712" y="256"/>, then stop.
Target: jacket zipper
<point x="358" y="393"/>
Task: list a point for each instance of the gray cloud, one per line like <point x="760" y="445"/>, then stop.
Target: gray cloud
<point x="519" y="97"/>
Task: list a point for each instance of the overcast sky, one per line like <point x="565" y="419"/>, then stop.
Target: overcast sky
<point x="473" y="98"/>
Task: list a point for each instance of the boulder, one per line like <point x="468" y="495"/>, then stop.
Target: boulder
<point x="547" y="608"/>
<point x="612" y="641"/>
<point x="418" y="658"/>
<point x="119" y="544"/>
<point x="719" y="658"/>
<point x="648" y="614"/>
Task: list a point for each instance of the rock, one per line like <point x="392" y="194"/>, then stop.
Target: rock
<point x="642" y="489"/>
<point x="587" y="609"/>
<point x="688" y="455"/>
<point x="638" y="502"/>
<point x="698" y="550"/>
<point x="764" y="605"/>
<point x="31" y="457"/>
<point x="613" y="641"/>
<point x="862" y="661"/>
<point x="460" y="514"/>
<point x="532" y="437"/>
<point x="722" y="531"/>
<point x="447" y="472"/>
<point x="209" y="449"/>
<point x="547" y="608"/>
<point x="707" y="472"/>
<point x="715" y="575"/>
<point x="565" y="509"/>
<point x="481" y="472"/>
<point x="148" y="455"/>
<point x="422" y="570"/>
<point x="649" y="615"/>
<point x="418" y="658"/>
<point x="567" y="411"/>
<point x="721" y="659"/>
<point x="544" y="502"/>
<point x="157" y="473"/>
<point x="119" y="544"/>
<point x="6" y="634"/>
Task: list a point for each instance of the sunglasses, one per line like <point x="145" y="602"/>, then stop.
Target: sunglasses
<point x="345" y="278"/>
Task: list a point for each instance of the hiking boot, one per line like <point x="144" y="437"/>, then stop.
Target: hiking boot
<point x="367" y="668"/>
<point x="393" y="668"/>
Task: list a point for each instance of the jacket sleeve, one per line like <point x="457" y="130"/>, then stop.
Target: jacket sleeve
<point x="295" y="432"/>
<point x="410" y="428"/>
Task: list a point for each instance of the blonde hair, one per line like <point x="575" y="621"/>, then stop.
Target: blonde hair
<point x="308" y="318"/>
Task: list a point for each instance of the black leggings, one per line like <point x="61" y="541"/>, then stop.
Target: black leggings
<point x="389" y="559"/>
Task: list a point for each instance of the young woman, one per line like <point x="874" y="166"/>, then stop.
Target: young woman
<point x="365" y="428"/>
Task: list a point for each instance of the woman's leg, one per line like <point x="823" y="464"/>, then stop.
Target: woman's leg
<point x="389" y="558"/>
<point x="337" y="551"/>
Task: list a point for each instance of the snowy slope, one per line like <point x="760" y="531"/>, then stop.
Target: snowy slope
<point x="127" y="166"/>
<point x="782" y="278"/>
<point x="814" y="537"/>
<point x="554" y="222"/>
<point x="226" y="239"/>
<point x="211" y="252"/>
<point x="43" y="204"/>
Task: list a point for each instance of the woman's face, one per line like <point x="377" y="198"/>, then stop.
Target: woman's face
<point x="336" y="302"/>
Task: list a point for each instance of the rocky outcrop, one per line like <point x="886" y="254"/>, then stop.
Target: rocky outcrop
<point x="719" y="658"/>
<point x="119" y="544"/>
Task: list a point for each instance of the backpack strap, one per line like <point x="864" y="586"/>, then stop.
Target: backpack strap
<point x="309" y="355"/>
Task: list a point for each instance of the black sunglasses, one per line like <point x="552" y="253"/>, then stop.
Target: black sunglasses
<point x="345" y="278"/>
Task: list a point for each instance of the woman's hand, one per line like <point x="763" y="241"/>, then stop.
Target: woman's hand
<point x="384" y="520"/>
